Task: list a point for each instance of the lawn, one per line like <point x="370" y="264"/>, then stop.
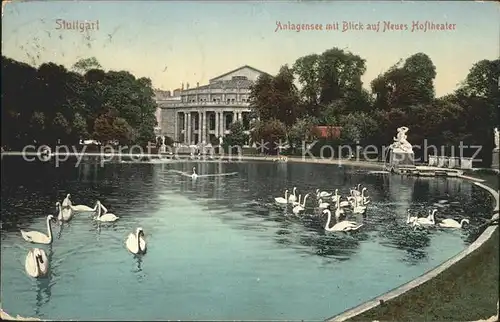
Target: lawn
<point x="467" y="291"/>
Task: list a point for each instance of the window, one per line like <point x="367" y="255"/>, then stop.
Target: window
<point x="211" y="125"/>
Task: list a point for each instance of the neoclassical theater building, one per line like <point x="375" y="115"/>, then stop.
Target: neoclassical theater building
<point x="204" y="113"/>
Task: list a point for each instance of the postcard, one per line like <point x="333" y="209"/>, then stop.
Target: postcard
<point x="250" y="160"/>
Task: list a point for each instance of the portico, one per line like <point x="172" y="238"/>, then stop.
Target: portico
<point x="205" y="113"/>
<point x="202" y="126"/>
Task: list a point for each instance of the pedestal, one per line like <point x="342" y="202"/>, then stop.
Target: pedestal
<point x="163" y="148"/>
<point x="433" y="160"/>
<point x="494" y="159"/>
<point x="442" y="162"/>
<point x="401" y="159"/>
<point x="466" y="163"/>
<point x="453" y="162"/>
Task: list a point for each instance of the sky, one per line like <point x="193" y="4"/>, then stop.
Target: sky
<point x="172" y="42"/>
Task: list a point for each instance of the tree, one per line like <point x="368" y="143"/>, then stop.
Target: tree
<point x="406" y="84"/>
<point x="339" y="72"/>
<point x="236" y="139"/>
<point x="86" y="64"/>
<point x="61" y="127"/>
<point x="357" y="127"/>
<point x="37" y="126"/>
<point x="269" y="134"/>
<point x="276" y="97"/>
<point x="50" y="103"/>
<point x="122" y="131"/>
<point x="303" y="130"/>
<point x="79" y="127"/>
<point x="307" y="70"/>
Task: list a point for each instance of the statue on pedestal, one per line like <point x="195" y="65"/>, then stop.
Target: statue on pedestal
<point x="496" y="139"/>
<point x="221" y="140"/>
<point x="163" y="147"/>
<point x="400" y="142"/>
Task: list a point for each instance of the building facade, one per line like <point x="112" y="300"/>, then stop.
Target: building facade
<point x="203" y="114"/>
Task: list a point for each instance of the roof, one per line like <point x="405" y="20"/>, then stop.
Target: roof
<point x="233" y="83"/>
<point x="232" y="71"/>
<point x="328" y="131"/>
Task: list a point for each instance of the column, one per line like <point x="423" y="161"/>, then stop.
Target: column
<point x="189" y="128"/>
<point x="221" y="124"/>
<point x="216" y="124"/>
<point x="184" y="121"/>
<point x="200" y="125"/>
<point x="176" y="127"/>
<point x="203" y="126"/>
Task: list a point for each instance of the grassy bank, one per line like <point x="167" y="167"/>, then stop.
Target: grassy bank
<point x="467" y="291"/>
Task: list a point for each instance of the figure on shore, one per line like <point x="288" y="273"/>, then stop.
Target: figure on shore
<point x="496" y="138"/>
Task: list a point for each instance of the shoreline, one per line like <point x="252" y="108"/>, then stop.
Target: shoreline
<point x="385" y="298"/>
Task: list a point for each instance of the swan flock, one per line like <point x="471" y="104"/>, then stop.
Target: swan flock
<point x="338" y="208"/>
<point x="37" y="261"/>
<point x="326" y="202"/>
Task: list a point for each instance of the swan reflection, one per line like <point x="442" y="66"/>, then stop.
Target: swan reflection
<point x="43" y="286"/>
<point x="138" y="271"/>
<point x="138" y="259"/>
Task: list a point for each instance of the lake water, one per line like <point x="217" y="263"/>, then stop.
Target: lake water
<point x="217" y="247"/>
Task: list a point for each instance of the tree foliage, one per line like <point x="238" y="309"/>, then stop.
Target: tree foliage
<point x="50" y="104"/>
<point x="330" y="93"/>
<point x="236" y="138"/>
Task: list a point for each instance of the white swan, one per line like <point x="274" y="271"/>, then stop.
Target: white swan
<point x="355" y="191"/>
<point x="37" y="263"/>
<point x="67" y="201"/>
<point x="322" y="194"/>
<point x="336" y="196"/>
<point x="65" y="214"/>
<point x="338" y="211"/>
<point x="340" y="226"/>
<point x="452" y="223"/>
<point x="296" y="203"/>
<point x="293" y="197"/>
<point x="345" y="203"/>
<point x="358" y="209"/>
<point x="38" y="237"/>
<point x="281" y="200"/>
<point x="410" y="219"/>
<point x="106" y="216"/>
<point x="361" y="197"/>
<point x="194" y="175"/>
<point x="427" y="220"/>
<point x="135" y="242"/>
<point x="322" y="204"/>
<point x="83" y="208"/>
<point x="300" y="207"/>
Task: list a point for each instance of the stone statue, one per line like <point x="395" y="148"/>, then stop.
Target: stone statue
<point x="220" y="140"/>
<point x="496" y="138"/>
<point x="163" y="147"/>
<point x="400" y="142"/>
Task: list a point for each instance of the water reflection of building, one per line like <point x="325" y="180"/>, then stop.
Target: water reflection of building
<point x="401" y="191"/>
<point x="87" y="172"/>
<point x="447" y="186"/>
